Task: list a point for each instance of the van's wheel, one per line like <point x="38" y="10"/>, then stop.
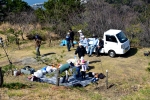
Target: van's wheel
<point x="112" y="53"/>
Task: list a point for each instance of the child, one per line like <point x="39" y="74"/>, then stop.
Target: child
<point x="83" y="69"/>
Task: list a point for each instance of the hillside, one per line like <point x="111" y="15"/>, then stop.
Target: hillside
<point x="128" y="78"/>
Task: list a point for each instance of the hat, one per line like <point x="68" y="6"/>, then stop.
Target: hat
<point x="80" y="44"/>
<point x="80" y="31"/>
<point x="68" y="33"/>
<point x="95" y="36"/>
<point x="82" y="36"/>
<point x="71" y="64"/>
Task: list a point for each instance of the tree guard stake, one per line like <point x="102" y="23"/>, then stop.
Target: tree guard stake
<point x="1" y="78"/>
<point x="107" y="79"/>
<point x="57" y="77"/>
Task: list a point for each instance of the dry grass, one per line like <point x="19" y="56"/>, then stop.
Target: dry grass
<point x="127" y="74"/>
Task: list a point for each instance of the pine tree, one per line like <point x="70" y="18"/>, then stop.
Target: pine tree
<point x="2" y="6"/>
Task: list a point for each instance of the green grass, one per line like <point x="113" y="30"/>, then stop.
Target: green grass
<point x="148" y="68"/>
<point x="142" y="94"/>
<point x="15" y="93"/>
<point x="16" y="85"/>
<point x="94" y="96"/>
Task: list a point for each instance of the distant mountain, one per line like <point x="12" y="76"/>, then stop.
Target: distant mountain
<point x="31" y="2"/>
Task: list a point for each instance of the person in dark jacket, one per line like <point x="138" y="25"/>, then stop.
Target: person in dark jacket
<point x="80" y="51"/>
<point x="99" y="47"/>
<point x="37" y="45"/>
<point x="71" y="37"/>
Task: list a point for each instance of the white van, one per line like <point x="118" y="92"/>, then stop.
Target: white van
<point x="115" y="42"/>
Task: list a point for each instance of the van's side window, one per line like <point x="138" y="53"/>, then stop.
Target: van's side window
<point x="111" y="38"/>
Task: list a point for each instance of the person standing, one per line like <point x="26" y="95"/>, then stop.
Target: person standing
<point x="37" y="45"/>
<point x="80" y="51"/>
<point x="99" y="47"/>
<point x="71" y="37"/>
<point x="65" y="68"/>
<point x="83" y="69"/>
<point x="78" y="67"/>
<point x="68" y="41"/>
<point x="80" y="34"/>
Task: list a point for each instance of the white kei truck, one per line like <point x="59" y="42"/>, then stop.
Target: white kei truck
<point x="115" y="43"/>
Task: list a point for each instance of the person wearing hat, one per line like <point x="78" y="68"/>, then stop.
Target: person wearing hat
<point x="71" y="37"/>
<point x="68" y="41"/>
<point x="99" y="47"/>
<point x="93" y="45"/>
<point x="80" y="34"/>
<point x="83" y="69"/>
<point x="80" y="51"/>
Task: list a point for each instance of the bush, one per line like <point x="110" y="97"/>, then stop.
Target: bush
<point x="7" y="68"/>
<point x="148" y="69"/>
<point x="16" y="85"/>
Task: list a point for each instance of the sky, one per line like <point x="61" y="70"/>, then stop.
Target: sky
<point x="31" y="2"/>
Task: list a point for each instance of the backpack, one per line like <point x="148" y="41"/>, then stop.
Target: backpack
<point x="101" y="76"/>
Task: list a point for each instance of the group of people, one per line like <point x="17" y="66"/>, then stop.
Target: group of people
<point x="85" y="47"/>
<point x="78" y="70"/>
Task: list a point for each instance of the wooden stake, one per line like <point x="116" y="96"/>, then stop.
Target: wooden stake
<point x="1" y="77"/>
<point x="57" y="77"/>
<point x="107" y="79"/>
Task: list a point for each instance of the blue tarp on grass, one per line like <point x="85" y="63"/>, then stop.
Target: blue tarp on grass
<point x="72" y="81"/>
<point x="63" y="43"/>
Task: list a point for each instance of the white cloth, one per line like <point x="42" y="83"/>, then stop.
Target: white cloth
<point x="95" y="42"/>
<point x="83" y="67"/>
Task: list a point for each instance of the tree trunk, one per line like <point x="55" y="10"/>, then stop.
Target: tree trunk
<point x="1" y="78"/>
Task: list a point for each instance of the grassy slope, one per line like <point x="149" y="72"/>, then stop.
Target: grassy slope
<point x="127" y="76"/>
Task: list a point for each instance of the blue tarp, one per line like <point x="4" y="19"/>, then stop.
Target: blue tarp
<point x="72" y="81"/>
<point x="63" y="43"/>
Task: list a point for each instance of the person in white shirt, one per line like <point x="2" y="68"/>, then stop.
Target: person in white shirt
<point x="83" y="69"/>
<point x="93" y="46"/>
<point x="80" y="34"/>
<point x="84" y="41"/>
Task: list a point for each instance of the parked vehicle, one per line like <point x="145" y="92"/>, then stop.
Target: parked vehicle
<point x="115" y="42"/>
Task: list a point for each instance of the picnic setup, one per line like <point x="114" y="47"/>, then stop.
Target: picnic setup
<point x="70" y="73"/>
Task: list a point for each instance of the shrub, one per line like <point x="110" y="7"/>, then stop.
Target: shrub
<point x="16" y="85"/>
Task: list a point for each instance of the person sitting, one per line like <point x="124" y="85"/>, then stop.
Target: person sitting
<point x="92" y="46"/>
<point x="99" y="47"/>
<point x="84" y="42"/>
<point x="80" y="51"/>
<point x="95" y="79"/>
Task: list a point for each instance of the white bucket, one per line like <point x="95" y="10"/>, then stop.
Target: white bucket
<point x="15" y="72"/>
<point x="82" y="59"/>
